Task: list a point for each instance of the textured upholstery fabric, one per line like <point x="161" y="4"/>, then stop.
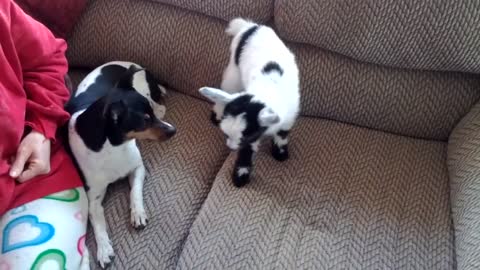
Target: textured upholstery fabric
<point x="348" y="198"/>
<point x="414" y="103"/>
<point x="179" y="175"/>
<point x="185" y="49"/>
<point x="258" y="10"/>
<point x="189" y="51"/>
<point x="428" y="34"/>
<point x="464" y="170"/>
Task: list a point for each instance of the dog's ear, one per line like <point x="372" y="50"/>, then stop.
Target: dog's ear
<point x="126" y="80"/>
<point x="117" y="110"/>
<point x="267" y="117"/>
<point x="216" y="95"/>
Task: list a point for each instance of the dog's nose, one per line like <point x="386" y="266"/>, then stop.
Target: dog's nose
<point x="171" y="131"/>
<point x="167" y="129"/>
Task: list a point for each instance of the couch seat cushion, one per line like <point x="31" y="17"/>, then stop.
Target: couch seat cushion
<point x="179" y="175"/>
<point x="348" y="198"/>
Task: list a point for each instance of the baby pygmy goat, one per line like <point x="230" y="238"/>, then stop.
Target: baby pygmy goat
<point x="259" y="97"/>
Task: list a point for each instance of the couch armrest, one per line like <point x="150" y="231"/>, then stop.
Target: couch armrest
<point x="464" y="170"/>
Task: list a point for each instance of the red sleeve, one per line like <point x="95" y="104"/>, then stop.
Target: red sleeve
<point x="44" y="66"/>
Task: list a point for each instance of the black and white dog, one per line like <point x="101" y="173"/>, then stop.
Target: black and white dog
<point x="259" y="94"/>
<point x="115" y="104"/>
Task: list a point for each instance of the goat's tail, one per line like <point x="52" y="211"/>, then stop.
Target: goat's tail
<point x="237" y="25"/>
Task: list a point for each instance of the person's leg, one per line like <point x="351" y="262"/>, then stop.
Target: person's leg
<point x="47" y="233"/>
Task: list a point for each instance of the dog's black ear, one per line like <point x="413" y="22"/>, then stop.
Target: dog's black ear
<point x="126" y="80"/>
<point x="117" y="110"/>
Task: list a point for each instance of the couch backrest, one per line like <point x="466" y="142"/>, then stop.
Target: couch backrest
<point x="189" y="50"/>
<point x="426" y="34"/>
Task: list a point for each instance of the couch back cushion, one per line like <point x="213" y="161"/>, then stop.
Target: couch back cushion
<point x="187" y="50"/>
<point x="257" y="10"/>
<point x="59" y="16"/>
<point x="190" y="50"/>
<point x="427" y="34"/>
<point x="423" y="104"/>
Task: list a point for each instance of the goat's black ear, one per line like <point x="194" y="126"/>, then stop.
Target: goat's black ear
<point x="126" y="80"/>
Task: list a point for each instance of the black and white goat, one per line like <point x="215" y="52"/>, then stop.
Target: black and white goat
<point x="259" y="95"/>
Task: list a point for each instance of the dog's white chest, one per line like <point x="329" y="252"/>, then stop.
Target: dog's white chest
<point x="107" y="165"/>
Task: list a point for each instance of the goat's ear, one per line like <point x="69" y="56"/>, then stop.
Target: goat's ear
<point x="216" y="95"/>
<point x="267" y="117"/>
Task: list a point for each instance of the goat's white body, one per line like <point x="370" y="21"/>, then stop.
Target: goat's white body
<point x="279" y="92"/>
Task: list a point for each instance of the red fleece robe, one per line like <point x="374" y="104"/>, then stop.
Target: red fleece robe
<point x="32" y="94"/>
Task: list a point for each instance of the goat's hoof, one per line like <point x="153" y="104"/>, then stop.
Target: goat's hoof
<point x="280" y="153"/>
<point x="241" y="177"/>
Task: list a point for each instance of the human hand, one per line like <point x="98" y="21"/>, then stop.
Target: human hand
<point x="32" y="159"/>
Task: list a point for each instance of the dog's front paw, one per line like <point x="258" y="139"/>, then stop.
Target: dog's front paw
<point x="105" y="253"/>
<point x="213" y="118"/>
<point x="138" y="218"/>
<point x="241" y="176"/>
<point x="280" y="153"/>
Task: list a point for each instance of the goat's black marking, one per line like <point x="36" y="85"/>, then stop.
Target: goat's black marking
<point x="244" y="161"/>
<point x="213" y="118"/>
<point x="244" y="104"/>
<point x="283" y="134"/>
<point x="243" y="41"/>
<point x="279" y="152"/>
<point x="271" y="67"/>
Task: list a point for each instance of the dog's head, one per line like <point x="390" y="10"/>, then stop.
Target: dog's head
<point x="244" y="120"/>
<point x="129" y="115"/>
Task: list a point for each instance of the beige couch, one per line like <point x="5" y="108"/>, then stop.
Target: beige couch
<point x="385" y="160"/>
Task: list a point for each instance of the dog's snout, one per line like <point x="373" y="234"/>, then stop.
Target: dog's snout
<point x="170" y="132"/>
<point x="168" y="129"/>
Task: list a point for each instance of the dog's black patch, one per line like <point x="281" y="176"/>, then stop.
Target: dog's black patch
<point x="121" y="110"/>
<point x="155" y="92"/>
<point x="103" y="83"/>
<point x="243" y="41"/>
<point x="244" y="104"/>
<point x="244" y="160"/>
<point x="90" y="126"/>
<point x="271" y="67"/>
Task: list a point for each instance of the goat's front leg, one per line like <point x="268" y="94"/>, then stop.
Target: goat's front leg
<point x="280" y="145"/>
<point x="243" y="165"/>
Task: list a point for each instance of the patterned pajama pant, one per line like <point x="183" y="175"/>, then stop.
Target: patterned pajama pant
<point x="48" y="233"/>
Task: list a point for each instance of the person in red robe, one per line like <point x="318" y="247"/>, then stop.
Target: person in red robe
<point x="43" y="206"/>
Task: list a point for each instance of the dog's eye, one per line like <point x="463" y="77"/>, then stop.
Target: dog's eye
<point x="146" y="117"/>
